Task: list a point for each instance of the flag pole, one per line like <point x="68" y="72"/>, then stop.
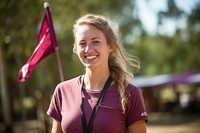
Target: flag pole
<point x="53" y="37"/>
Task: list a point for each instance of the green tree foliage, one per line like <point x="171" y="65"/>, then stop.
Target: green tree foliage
<point x="175" y="53"/>
<point x="184" y="43"/>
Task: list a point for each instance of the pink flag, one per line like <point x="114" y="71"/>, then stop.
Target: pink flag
<point x="45" y="47"/>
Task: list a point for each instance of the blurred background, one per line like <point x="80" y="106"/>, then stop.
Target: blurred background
<point x="164" y="34"/>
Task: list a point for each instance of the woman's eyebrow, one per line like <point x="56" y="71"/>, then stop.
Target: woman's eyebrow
<point x="96" y="38"/>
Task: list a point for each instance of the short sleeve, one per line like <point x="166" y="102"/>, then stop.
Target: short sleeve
<point x="54" y="109"/>
<point x="135" y="107"/>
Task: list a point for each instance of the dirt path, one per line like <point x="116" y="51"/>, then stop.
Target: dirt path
<point x="173" y="123"/>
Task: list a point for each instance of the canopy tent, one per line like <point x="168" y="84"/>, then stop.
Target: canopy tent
<point x="151" y="81"/>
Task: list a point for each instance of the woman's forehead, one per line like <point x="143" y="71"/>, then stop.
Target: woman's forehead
<point x="88" y="31"/>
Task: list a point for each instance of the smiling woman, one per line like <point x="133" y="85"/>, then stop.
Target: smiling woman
<point x="101" y="100"/>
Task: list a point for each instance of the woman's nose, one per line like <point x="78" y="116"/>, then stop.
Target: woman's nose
<point x="88" y="47"/>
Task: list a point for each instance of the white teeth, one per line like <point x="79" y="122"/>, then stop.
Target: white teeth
<point x="90" y="57"/>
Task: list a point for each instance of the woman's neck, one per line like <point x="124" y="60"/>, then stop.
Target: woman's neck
<point x="95" y="80"/>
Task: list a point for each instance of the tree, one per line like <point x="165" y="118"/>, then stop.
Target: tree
<point x="161" y="53"/>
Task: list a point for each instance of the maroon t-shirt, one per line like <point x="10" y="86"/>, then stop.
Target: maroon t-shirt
<point x="65" y="108"/>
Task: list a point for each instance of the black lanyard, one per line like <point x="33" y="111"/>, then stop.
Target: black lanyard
<point x="88" y="128"/>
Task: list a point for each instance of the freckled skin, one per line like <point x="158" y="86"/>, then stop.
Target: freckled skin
<point x="92" y="47"/>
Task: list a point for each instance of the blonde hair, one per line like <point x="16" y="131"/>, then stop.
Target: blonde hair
<point x="119" y="60"/>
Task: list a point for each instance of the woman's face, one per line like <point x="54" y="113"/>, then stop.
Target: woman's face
<point x="92" y="48"/>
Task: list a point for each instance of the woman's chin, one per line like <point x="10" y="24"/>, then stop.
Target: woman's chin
<point x="90" y="66"/>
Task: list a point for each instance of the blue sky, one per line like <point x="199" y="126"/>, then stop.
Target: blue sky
<point x="148" y="10"/>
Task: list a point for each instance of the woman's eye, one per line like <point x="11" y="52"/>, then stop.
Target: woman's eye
<point x="82" y="44"/>
<point x="96" y="42"/>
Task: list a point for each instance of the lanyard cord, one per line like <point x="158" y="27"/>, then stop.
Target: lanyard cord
<point x="88" y="128"/>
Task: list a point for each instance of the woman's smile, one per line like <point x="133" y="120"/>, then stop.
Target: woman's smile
<point x="90" y="57"/>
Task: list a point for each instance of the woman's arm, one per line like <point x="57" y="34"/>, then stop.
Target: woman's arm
<point x="137" y="127"/>
<point x="56" y="127"/>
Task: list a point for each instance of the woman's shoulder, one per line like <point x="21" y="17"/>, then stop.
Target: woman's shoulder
<point x="132" y="89"/>
<point x="76" y="81"/>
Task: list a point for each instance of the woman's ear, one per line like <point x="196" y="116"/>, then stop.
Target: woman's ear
<point x="111" y="48"/>
<point x="75" y="48"/>
<point x="74" y="51"/>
